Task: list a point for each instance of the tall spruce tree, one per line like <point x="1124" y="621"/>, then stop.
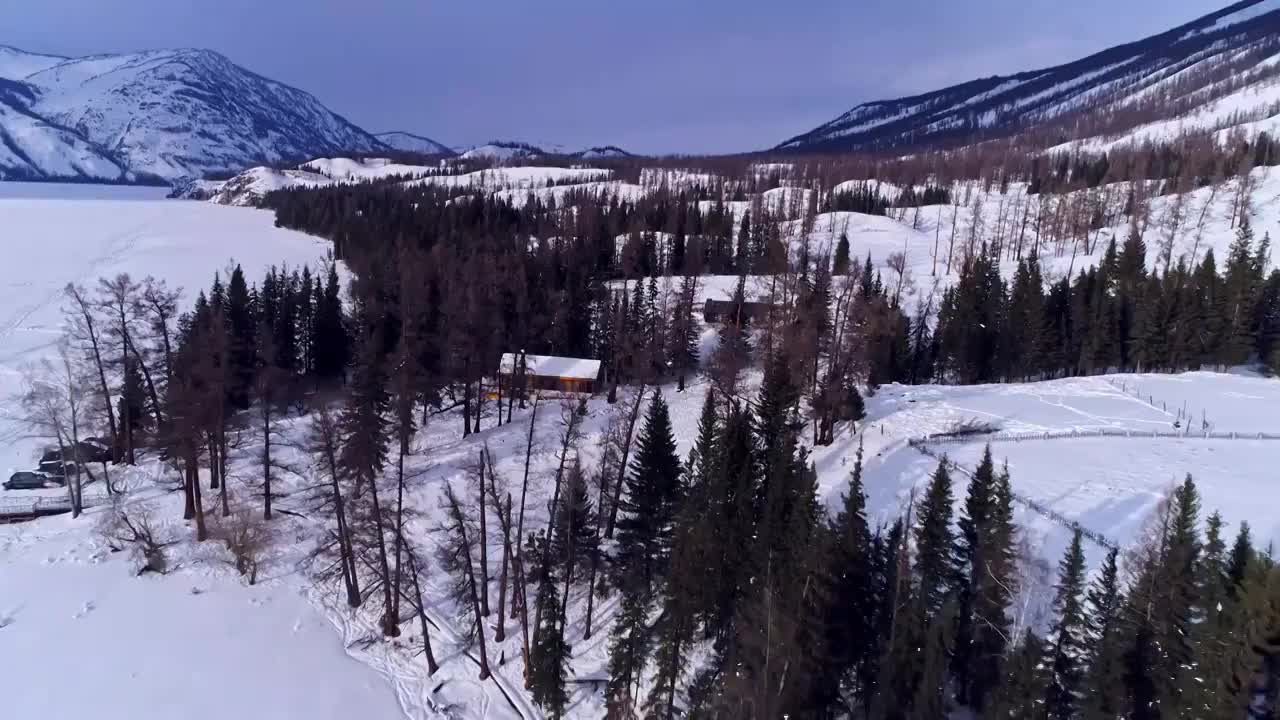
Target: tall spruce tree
<point x="1068" y="641"/>
<point x="975" y="528"/>
<point x="1104" y="694"/>
<point x="649" y="503"/>
<point x="850" y="614"/>
<point x="935" y="571"/>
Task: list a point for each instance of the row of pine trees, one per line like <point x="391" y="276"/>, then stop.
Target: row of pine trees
<point x="738" y="596"/>
<point x="1116" y="316"/>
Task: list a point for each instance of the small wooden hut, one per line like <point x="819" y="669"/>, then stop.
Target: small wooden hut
<point x="549" y="372"/>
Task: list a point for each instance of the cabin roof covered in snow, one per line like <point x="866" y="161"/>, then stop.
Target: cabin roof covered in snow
<point x="552" y="366"/>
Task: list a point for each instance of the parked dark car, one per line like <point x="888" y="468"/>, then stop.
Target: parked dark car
<point x="26" y="481"/>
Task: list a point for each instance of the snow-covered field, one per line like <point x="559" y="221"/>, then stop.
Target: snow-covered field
<point x="59" y="234"/>
<point x="285" y="649"/>
<point x="80" y="636"/>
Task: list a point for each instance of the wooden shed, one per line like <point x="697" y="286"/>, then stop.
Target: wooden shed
<point x="549" y="372"/>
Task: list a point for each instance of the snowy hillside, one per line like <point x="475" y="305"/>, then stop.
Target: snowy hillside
<point x="163" y="114"/>
<point x="65" y="592"/>
<point x="501" y="151"/>
<point x="1180" y="75"/>
<point x="409" y="142"/>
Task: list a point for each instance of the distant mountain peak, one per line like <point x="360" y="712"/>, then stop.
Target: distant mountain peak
<point x="412" y="142"/>
<point x="162" y="114"/>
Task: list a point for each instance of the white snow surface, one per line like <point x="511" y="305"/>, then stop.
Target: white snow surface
<point x="197" y="644"/>
<point x="17" y="64"/>
<point x="60" y="234"/>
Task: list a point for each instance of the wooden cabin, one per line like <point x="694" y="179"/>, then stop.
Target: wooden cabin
<point x="548" y="372"/>
<point x="726" y="311"/>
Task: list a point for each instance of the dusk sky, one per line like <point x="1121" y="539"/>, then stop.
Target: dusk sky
<point x="657" y="76"/>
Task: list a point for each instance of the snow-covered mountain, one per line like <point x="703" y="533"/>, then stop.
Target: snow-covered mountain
<point x="409" y="142"/>
<point x="1212" y="74"/>
<point x="163" y="114"/>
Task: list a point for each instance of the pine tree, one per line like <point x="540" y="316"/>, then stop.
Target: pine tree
<point x="331" y="343"/>
<point x="934" y="542"/>
<point x="1068" y="641"/>
<point x="649" y="503"/>
<point x="841" y="264"/>
<point x="1238" y="563"/>
<point x="1131" y="270"/>
<point x="549" y="655"/>
<point x="1022" y="694"/>
<point x="682" y="345"/>
<point x="574" y="543"/>
<point x="1240" y="284"/>
<point x="1104" y="693"/>
<point x="242" y="327"/>
<point x="850" y="615"/>
<point x="971" y="547"/>
<point x="628" y="651"/>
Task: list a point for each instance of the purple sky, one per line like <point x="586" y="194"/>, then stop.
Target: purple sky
<point x="653" y="76"/>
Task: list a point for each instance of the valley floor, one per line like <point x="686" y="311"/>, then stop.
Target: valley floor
<point x="200" y="643"/>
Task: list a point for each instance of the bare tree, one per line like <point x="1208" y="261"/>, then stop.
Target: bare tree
<point x="415" y="569"/>
<point x="457" y="556"/>
<point x="624" y="451"/>
<point x="497" y="491"/>
<point x="247" y="538"/>
<point x="133" y="527"/>
<point x="86" y="333"/>
<point x="119" y="300"/>
<point x="324" y="444"/>
<point x="53" y="402"/>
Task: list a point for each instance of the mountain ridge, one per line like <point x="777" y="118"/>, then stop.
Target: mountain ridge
<point x="1002" y="105"/>
<point x="157" y="115"/>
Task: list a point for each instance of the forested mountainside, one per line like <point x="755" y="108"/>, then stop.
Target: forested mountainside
<point x="1214" y="74"/>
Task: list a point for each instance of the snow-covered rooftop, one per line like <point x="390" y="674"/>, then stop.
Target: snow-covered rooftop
<point x="552" y="366"/>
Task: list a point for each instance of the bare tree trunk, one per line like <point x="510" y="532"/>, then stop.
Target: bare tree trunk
<point x="91" y="335"/>
<point x="484" y="543"/>
<point x="194" y="468"/>
<point x="432" y="666"/>
<point x="622" y="468"/>
<point x="390" y="621"/>
<point x="520" y="594"/>
<point x="500" y="631"/>
<point x="328" y="449"/>
<point x="266" y="459"/>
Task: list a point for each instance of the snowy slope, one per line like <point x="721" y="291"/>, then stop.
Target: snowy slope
<point x="163" y="114"/>
<point x="501" y="151"/>
<point x="409" y="142"/>
<point x="31" y="147"/>
<point x="176" y="113"/>
<point x="1238" y="40"/>
<point x="17" y="64"/>
<point x="75" y="610"/>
